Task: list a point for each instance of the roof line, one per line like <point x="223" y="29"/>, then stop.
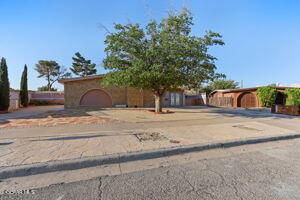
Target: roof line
<point x="62" y="81"/>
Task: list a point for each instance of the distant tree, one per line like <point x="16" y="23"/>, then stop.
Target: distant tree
<point x="4" y="86"/>
<point x="51" y="71"/>
<point x="82" y="67"/>
<point x="160" y="57"/>
<point x="45" y="88"/>
<point x="24" y="88"/>
<point x="221" y="84"/>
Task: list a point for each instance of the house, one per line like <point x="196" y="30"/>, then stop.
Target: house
<point x="245" y="97"/>
<point x="86" y="91"/>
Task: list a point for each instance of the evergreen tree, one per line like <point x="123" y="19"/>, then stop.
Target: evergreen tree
<point x="4" y="86"/>
<point x="82" y="67"/>
<point x="24" y="88"/>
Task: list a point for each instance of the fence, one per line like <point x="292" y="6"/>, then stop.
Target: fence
<point x="220" y="101"/>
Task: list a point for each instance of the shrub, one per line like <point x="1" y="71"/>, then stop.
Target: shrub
<point x="293" y="97"/>
<point x="267" y="96"/>
<point x="43" y="103"/>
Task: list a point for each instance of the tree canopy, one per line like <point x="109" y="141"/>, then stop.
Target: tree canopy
<point x="51" y="71"/>
<point x="161" y="56"/>
<point x="267" y="95"/>
<point x="82" y="67"/>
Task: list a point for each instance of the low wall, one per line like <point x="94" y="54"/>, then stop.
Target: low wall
<point x="287" y="110"/>
<point x="48" y="96"/>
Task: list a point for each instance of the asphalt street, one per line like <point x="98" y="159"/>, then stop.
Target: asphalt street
<point x="272" y="173"/>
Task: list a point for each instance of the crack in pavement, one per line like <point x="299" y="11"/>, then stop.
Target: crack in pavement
<point x="99" y="188"/>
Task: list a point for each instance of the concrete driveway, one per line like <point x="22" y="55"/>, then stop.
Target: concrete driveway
<point x="186" y="113"/>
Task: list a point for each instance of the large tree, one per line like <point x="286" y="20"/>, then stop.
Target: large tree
<point x="24" y="88"/>
<point x="82" y="67"/>
<point x="4" y="86"/>
<point x="51" y="71"/>
<point x="159" y="57"/>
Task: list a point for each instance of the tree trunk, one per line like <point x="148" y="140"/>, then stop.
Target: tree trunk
<point x="158" y="102"/>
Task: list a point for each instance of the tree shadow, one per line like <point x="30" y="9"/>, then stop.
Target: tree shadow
<point x="5" y="143"/>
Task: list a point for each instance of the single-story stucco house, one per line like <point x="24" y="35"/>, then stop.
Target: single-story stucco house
<point x="87" y="91"/>
<point x="244" y="98"/>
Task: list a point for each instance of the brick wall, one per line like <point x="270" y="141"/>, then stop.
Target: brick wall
<point x="74" y="90"/>
<point x="288" y="110"/>
<point x="48" y="96"/>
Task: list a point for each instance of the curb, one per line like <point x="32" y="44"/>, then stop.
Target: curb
<point x="79" y="163"/>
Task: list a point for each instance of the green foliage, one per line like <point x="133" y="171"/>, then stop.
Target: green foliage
<point x="161" y="56"/>
<point x="24" y="88"/>
<point x="4" y="86"/>
<point x="82" y="67"/>
<point x="42" y="103"/>
<point x="45" y="88"/>
<point x="293" y="97"/>
<point x="51" y="71"/>
<point x="267" y="96"/>
<point x="221" y="84"/>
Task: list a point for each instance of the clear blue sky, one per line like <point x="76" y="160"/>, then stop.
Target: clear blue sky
<point x="262" y="36"/>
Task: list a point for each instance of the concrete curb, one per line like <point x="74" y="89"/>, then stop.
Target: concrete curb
<point x="53" y="166"/>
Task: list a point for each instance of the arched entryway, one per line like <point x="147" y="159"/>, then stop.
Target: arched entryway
<point x="247" y="100"/>
<point x="96" y="97"/>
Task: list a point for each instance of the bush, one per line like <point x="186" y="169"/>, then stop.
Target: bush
<point x="267" y="96"/>
<point x="43" y="103"/>
<point x="293" y="97"/>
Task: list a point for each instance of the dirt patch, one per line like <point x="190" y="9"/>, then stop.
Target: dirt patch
<point x="153" y="136"/>
<point x="54" y="118"/>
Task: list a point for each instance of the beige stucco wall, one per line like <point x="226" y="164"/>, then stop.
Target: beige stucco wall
<point x="74" y="90"/>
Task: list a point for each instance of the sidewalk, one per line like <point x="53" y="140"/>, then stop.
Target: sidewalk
<point x="28" y="150"/>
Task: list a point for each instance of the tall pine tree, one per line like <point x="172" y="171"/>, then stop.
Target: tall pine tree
<point x="82" y="67"/>
<point x="24" y="88"/>
<point x="4" y="86"/>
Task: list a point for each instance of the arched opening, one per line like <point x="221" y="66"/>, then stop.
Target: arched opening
<point x="247" y="100"/>
<point x="96" y="97"/>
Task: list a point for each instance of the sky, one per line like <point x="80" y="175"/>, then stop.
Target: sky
<point x="262" y="43"/>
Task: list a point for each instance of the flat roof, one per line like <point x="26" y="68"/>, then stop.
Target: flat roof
<point x="253" y="89"/>
<point x="62" y="81"/>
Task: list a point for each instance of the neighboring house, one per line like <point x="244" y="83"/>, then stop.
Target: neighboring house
<point x="245" y="97"/>
<point x="86" y="91"/>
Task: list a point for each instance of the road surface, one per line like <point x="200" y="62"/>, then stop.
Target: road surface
<point x="269" y="173"/>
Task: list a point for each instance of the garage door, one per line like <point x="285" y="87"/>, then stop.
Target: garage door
<point x="96" y="98"/>
<point x="248" y="100"/>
